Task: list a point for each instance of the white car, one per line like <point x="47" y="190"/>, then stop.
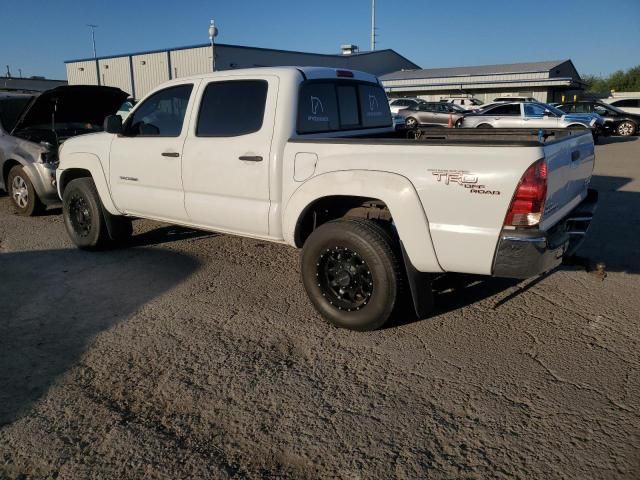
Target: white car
<point x="468" y="103"/>
<point x="627" y="104"/>
<point x="398" y="104"/>
<point x="308" y="157"/>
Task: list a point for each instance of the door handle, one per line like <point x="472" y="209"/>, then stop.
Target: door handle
<point x="250" y="158"/>
<point x="170" y="154"/>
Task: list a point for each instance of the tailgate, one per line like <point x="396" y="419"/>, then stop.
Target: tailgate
<point x="569" y="167"/>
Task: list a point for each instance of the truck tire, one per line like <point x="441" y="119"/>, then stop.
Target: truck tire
<point x="352" y="273"/>
<point x="84" y="215"/>
<point x="23" y="194"/>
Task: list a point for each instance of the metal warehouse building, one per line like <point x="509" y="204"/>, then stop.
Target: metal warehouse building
<point x="546" y="81"/>
<point x="138" y="73"/>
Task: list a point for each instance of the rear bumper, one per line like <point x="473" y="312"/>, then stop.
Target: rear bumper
<point x="527" y="253"/>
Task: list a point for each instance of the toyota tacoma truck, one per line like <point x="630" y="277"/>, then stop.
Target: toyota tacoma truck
<point x="308" y="157"/>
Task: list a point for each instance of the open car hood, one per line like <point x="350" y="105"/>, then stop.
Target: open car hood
<point x="72" y="103"/>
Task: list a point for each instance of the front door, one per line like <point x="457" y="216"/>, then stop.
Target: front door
<point x="534" y="117"/>
<point x="146" y="160"/>
<point x="226" y="155"/>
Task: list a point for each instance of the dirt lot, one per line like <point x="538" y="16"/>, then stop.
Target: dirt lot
<point x="195" y="355"/>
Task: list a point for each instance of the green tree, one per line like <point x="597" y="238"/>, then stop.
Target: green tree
<point x="620" y="81"/>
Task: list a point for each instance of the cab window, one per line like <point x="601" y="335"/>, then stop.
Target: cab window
<point x="232" y="108"/>
<point x="160" y="115"/>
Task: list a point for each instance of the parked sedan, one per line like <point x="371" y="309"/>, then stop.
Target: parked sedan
<point x="432" y="114"/>
<point x="31" y="131"/>
<point x="526" y="115"/>
<point x="615" y="120"/>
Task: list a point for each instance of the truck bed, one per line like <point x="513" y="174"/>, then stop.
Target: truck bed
<point x="489" y="137"/>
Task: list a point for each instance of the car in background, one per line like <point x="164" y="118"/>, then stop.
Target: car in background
<point x="527" y="115"/>
<point x="467" y="103"/>
<point x="432" y="114"/>
<point x="626" y="104"/>
<point x="514" y="99"/>
<point x="397" y="104"/>
<point x="31" y="131"/>
<point x="616" y="121"/>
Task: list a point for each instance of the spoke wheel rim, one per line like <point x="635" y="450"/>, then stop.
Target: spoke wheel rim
<point x="20" y="191"/>
<point x="344" y="278"/>
<point x="80" y="215"/>
<point x="625" y="128"/>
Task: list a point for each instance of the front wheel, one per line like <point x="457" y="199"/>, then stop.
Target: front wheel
<point x="23" y="194"/>
<point x="352" y="273"/>
<point x="626" y="128"/>
<point x="83" y="214"/>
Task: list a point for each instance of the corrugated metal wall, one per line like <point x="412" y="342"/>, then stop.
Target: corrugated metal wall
<point x="82" y="73"/>
<point x="115" y="72"/>
<point x="190" y="61"/>
<point x="149" y="71"/>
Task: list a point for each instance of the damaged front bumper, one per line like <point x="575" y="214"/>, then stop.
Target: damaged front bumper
<point x="526" y="253"/>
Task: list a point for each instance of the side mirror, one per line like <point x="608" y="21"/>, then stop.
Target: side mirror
<point x="113" y="124"/>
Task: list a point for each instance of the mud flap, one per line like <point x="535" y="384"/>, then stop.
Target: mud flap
<point x="420" y="286"/>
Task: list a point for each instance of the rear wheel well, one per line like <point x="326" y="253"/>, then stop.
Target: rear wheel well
<point x="325" y="209"/>
<point x="71" y="174"/>
<point x="6" y="168"/>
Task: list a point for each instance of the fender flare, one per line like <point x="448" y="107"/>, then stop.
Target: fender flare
<point x="396" y="191"/>
<point x="91" y="163"/>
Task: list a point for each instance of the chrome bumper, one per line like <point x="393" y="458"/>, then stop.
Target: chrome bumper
<point x="527" y="253"/>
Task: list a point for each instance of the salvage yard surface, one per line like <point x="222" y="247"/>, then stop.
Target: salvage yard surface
<point x="195" y="355"/>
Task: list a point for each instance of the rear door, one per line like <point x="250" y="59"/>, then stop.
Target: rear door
<point x="505" y="116"/>
<point x="226" y="155"/>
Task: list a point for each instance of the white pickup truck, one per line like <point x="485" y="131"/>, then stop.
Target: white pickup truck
<point x="308" y="157"/>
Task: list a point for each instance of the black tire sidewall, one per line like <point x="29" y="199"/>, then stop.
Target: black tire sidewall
<point x="86" y="188"/>
<point x="33" y="203"/>
<point x="385" y="283"/>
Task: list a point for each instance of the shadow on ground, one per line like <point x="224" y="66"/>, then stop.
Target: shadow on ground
<point x="54" y="302"/>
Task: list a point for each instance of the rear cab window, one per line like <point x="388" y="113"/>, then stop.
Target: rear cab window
<point x="338" y="105"/>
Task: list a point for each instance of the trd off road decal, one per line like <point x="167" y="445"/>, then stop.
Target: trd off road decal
<point x="463" y="179"/>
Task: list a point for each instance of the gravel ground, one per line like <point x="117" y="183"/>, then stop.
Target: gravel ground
<point x="195" y="355"/>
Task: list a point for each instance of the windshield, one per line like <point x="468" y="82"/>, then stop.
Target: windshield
<point x="475" y="101"/>
<point x="456" y="108"/>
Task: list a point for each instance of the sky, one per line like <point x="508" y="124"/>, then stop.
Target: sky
<point x="600" y="36"/>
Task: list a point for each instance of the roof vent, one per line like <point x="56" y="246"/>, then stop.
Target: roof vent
<point x="349" y="49"/>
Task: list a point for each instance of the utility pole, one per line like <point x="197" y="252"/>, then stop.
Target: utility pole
<point x="373" y="25"/>
<point x="93" y="37"/>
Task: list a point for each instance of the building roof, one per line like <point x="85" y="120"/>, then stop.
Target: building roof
<point x="218" y="45"/>
<point x="29" y="84"/>
<point x="507" y="68"/>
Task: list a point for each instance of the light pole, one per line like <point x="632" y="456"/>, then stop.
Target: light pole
<point x="93" y="37"/>
<point x="213" y="33"/>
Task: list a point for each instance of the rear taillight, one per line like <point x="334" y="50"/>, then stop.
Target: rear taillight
<point x="527" y="204"/>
